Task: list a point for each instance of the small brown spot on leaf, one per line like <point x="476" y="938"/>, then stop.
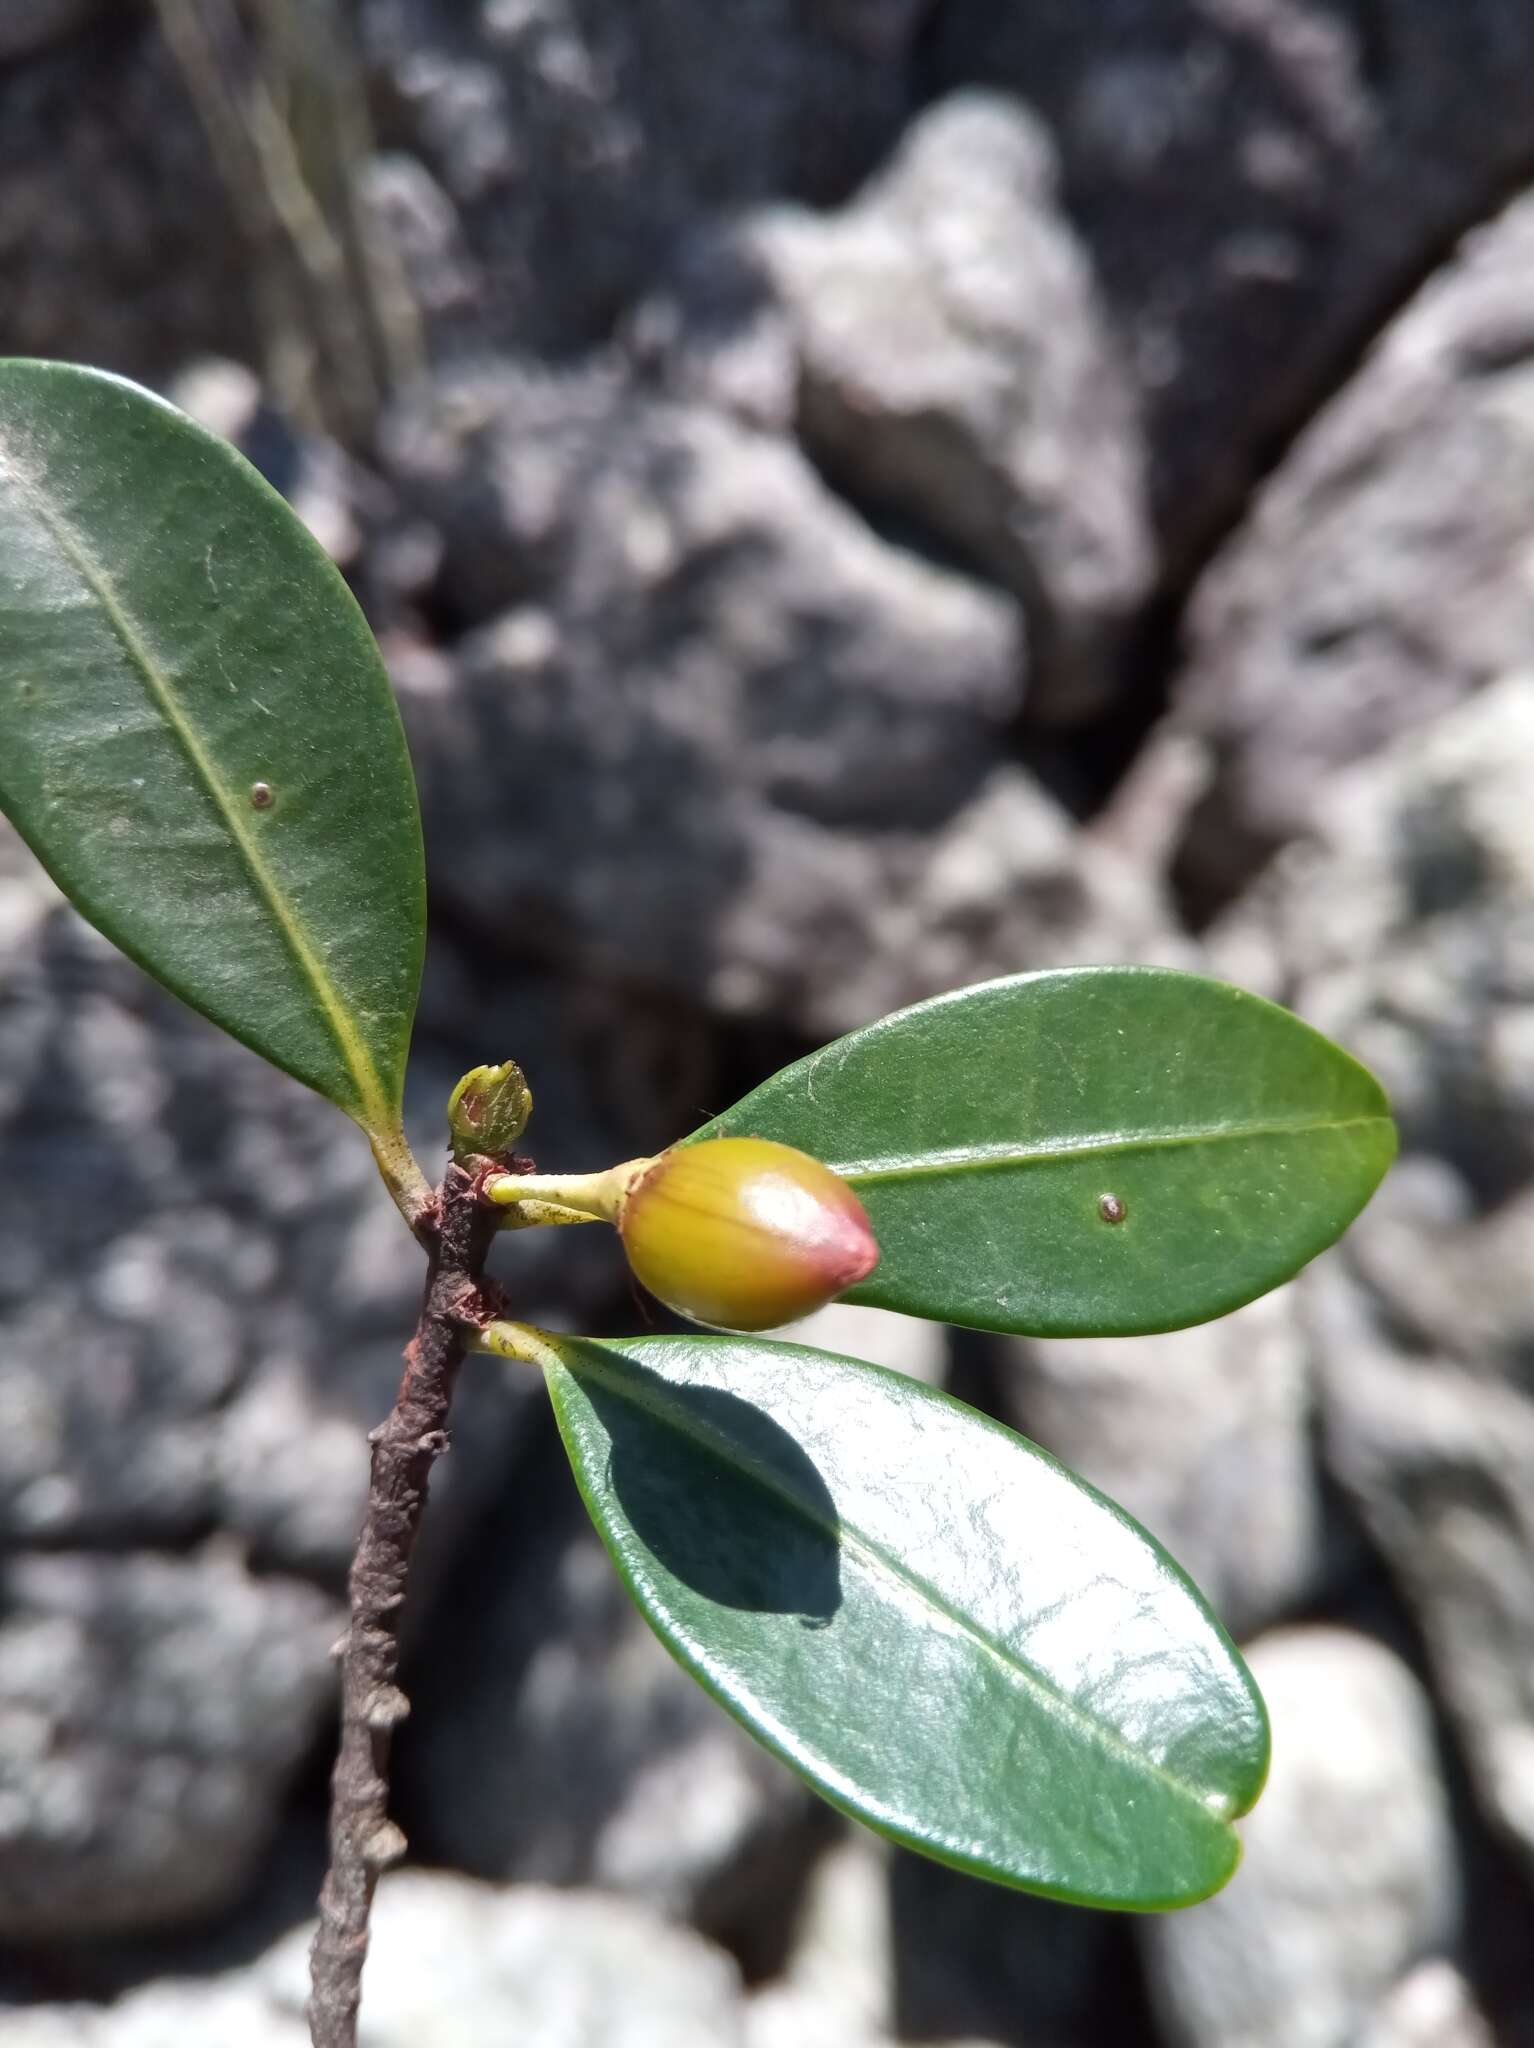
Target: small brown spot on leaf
<point x="1111" y="1208"/>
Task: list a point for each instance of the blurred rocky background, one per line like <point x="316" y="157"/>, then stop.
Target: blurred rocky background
<point x="856" y="496"/>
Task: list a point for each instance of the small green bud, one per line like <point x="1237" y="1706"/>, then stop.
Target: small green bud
<point x="744" y="1234"/>
<point x="488" y="1111"/>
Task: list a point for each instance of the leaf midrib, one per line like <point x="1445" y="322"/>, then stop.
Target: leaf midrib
<point x="710" y="1440"/>
<point x="998" y="1157"/>
<point x="373" y="1106"/>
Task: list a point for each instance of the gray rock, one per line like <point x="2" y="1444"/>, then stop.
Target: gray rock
<point x="405" y="203"/>
<point x="835" y="931"/>
<point x="955" y="365"/>
<point x="770" y="746"/>
<point x="1432" y="2007"/>
<point x="580" y="489"/>
<point x="204" y="1292"/>
<point x="579" y="139"/>
<point x="1405" y="926"/>
<point x="1348" y="1877"/>
<point x="1404" y="923"/>
<point x="137" y="1311"/>
<point x="750" y="717"/>
<point x="1258" y="183"/>
<point x="1437" y="1450"/>
<point x="1383" y="576"/>
<point x="152" y="1712"/>
<point x="204" y="1295"/>
<point x="164" y="2015"/>
<point x="907" y="1344"/>
<point x="1203" y="1435"/>
<point x="781" y="2015"/>
<point x="452" y="1965"/>
<point x="718" y="330"/>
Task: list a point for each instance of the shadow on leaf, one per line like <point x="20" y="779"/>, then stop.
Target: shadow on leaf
<point x="721" y="1496"/>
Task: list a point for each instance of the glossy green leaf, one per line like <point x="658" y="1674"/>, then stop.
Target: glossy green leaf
<point x="1099" y="1151"/>
<point x="948" y="1634"/>
<point x="197" y="735"/>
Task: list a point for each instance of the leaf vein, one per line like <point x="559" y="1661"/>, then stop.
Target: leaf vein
<point x="998" y="1157"/>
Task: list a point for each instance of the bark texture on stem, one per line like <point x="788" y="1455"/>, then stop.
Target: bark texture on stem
<point x="363" y="1840"/>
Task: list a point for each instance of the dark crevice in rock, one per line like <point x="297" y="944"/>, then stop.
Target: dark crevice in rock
<point x="754" y="1913"/>
<point x="1080" y="765"/>
<point x="896" y="525"/>
<point x="280" y="1896"/>
<point x="1338" y="368"/>
<point x="978" y="1360"/>
<point x="676" y="1056"/>
<point x="1201" y="891"/>
<point x="140" y="1535"/>
<point x="43" y="33"/>
<point x="1204" y="884"/>
<point x="925" y="82"/>
<point x="1084" y="765"/>
<point x="1371" y="27"/>
<point x="1007" y="1968"/>
<point x="1497" y="1909"/>
<point x="533" y="1565"/>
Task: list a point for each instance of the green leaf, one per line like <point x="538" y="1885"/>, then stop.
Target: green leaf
<point x="197" y="735"/>
<point x="948" y="1634"/>
<point x="984" y="1130"/>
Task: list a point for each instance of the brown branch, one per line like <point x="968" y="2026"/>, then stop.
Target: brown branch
<point x="363" y="1840"/>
